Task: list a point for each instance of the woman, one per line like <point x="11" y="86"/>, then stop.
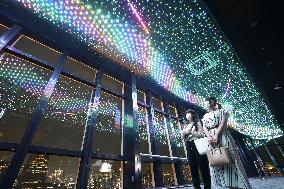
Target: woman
<point x="214" y="126"/>
<point x="193" y="130"/>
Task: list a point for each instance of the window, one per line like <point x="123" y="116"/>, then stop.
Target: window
<point x="176" y="130"/>
<point x="37" y="49"/>
<point x="141" y="97"/>
<point x="5" y="159"/>
<point x="63" y="123"/>
<point x="157" y="104"/>
<point x="186" y="174"/>
<point x="105" y="174"/>
<point x="147" y="175"/>
<point x="268" y="163"/>
<point x="169" y="176"/>
<point x="21" y="86"/>
<point x="80" y="69"/>
<point x="48" y="171"/>
<point x="173" y="111"/>
<point x="112" y="84"/>
<point x="161" y="134"/>
<point x="107" y="137"/>
<point x="3" y="29"/>
<point x="143" y="130"/>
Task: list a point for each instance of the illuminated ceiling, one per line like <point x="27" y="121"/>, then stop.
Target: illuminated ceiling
<point x="177" y="44"/>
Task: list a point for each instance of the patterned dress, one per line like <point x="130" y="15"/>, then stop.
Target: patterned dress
<point x="230" y="175"/>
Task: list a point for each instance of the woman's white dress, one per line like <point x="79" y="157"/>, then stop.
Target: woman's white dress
<point x="230" y="175"/>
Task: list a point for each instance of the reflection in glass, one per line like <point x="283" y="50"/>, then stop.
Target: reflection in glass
<point x="21" y="86"/>
<point x="173" y="111"/>
<point x="63" y="123"/>
<point x="143" y="130"/>
<point x="3" y="29"/>
<point x="112" y="84"/>
<point x="105" y="174"/>
<point x="147" y="175"/>
<point x="107" y="137"/>
<point x="37" y="49"/>
<point x="80" y="69"/>
<point x="48" y="171"/>
<point x="176" y="130"/>
<point x="141" y="97"/>
<point x="186" y="174"/>
<point x="5" y="159"/>
<point x="161" y="134"/>
<point x="169" y="176"/>
<point x="157" y="104"/>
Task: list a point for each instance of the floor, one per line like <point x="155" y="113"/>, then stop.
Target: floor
<point x="259" y="183"/>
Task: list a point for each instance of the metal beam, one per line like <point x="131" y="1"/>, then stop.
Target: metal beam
<point x="157" y="169"/>
<point x="22" y="150"/>
<point x="84" y="169"/>
<point x="9" y="36"/>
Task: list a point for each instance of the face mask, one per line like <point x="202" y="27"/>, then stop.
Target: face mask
<point x="188" y="116"/>
<point x="207" y="105"/>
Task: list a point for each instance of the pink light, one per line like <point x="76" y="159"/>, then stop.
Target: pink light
<point x="138" y="16"/>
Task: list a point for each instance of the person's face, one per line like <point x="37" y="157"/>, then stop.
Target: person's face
<point x="188" y="116"/>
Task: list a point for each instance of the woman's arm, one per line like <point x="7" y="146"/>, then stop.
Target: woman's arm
<point x="199" y="133"/>
<point x="210" y="140"/>
<point x="221" y="127"/>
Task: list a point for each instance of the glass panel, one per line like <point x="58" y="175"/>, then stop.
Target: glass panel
<point x="107" y="137"/>
<point x="278" y="158"/>
<point x="161" y="134"/>
<point x="48" y="171"/>
<point x="143" y="130"/>
<point x="37" y="49"/>
<point x="141" y="96"/>
<point x="186" y="174"/>
<point x="157" y="104"/>
<point x="5" y="159"/>
<point x="268" y="164"/>
<point x="177" y="138"/>
<point x="80" y="69"/>
<point x="173" y="111"/>
<point x="147" y="175"/>
<point x="169" y="176"/>
<point x="264" y="155"/>
<point x="21" y="85"/>
<point x="63" y="123"/>
<point x="105" y="174"/>
<point x="3" y="29"/>
<point x="112" y="84"/>
<point x="280" y="140"/>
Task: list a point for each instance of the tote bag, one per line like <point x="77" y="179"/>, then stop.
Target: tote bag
<point x="202" y="145"/>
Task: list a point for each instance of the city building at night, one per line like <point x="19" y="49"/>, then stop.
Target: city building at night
<point x="93" y="94"/>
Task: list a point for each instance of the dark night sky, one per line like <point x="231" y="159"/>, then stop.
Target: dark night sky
<point x="255" y="26"/>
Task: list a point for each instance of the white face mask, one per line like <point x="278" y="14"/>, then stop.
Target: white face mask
<point x="207" y="105"/>
<point x="188" y="116"/>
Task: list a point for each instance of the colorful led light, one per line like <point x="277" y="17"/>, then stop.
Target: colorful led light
<point x="185" y="53"/>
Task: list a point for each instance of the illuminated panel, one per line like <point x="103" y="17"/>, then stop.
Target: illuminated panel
<point x="183" y="51"/>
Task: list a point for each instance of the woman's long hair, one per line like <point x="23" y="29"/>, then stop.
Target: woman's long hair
<point x="195" y="117"/>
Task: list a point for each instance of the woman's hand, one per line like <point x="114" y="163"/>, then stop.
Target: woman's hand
<point x="215" y="139"/>
<point x="210" y="140"/>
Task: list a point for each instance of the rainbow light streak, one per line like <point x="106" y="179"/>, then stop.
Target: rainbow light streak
<point x="135" y="12"/>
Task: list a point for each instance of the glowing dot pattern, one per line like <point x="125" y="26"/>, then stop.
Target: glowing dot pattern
<point x="185" y="52"/>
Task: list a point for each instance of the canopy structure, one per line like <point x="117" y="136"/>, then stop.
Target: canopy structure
<point x="176" y="43"/>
